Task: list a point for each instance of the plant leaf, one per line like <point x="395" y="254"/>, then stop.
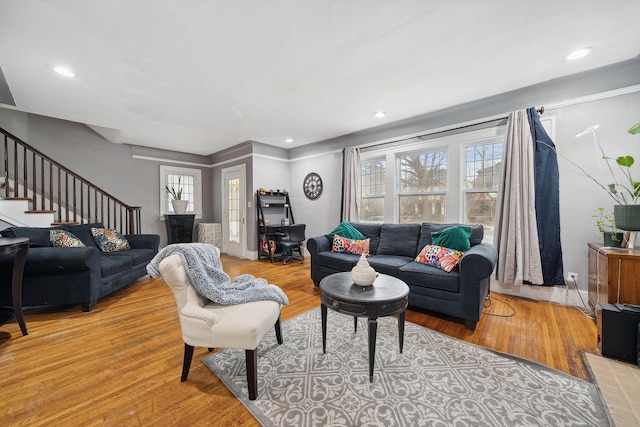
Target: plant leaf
<point x="625" y="161"/>
<point x="635" y="129"/>
<point x="612" y="188"/>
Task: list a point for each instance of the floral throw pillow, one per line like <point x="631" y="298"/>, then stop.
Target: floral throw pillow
<point x="349" y="246"/>
<point x="109" y="240"/>
<point x="437" y="256"/>
<point x="64" y="239"/>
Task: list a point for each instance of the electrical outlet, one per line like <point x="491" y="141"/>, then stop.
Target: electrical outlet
<point x="572" y="277"/>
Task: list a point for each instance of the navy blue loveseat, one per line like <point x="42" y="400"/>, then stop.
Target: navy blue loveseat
<point x="393" y="247"/>
<point x="70" y="276"/>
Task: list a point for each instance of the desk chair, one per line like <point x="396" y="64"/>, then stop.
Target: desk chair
<point x="292" y="241"/>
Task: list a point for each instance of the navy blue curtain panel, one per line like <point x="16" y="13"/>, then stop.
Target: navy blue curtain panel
<point x="547" y="202"/>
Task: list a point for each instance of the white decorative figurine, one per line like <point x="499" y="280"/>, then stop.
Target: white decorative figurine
<point x="363" y="274"/>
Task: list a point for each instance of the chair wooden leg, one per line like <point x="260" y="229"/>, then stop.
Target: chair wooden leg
<point x="278" y="331"/>
<point x="188" y="355"/>
<point x="251" y="361"/>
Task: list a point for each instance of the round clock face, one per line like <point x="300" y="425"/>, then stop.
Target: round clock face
<point x="312" y="186"/>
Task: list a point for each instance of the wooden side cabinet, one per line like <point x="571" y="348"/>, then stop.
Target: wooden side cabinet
<point x="614" y="276"/>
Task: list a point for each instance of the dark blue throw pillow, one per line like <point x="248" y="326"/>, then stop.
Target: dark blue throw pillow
<point x="399" y="239"/>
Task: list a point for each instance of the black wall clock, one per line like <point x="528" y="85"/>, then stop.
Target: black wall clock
<point x="312" y="186"/>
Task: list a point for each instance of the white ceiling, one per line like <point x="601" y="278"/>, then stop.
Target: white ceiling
<point x="202" y="75"/>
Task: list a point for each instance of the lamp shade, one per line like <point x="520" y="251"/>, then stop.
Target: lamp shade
<point x="627" y="217"/>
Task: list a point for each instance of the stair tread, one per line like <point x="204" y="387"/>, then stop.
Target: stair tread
<point x="65" y="223"/>
<point x="16" y="198"/>
<point x="40" y="211"/>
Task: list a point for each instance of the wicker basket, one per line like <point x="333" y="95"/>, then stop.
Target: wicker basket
<point x="627" y="217"/>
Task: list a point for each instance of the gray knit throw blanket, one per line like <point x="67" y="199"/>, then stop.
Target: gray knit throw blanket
<point x="204" y="269"/>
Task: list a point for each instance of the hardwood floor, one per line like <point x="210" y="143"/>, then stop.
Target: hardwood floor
<point x="120" y="365"/>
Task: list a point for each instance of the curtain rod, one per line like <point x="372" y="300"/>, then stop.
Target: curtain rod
<point x="423" y="136"/>
<point x="550" y="106"/>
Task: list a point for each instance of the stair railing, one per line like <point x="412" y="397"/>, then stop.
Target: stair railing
<point x="51" y="187"/>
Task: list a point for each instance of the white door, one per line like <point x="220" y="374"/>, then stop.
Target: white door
<point x="234" y="229"/>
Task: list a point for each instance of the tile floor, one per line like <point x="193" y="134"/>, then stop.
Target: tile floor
<point x="619" y="383"/>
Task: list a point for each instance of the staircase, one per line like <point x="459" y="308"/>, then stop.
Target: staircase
<point x="37" y="191"/>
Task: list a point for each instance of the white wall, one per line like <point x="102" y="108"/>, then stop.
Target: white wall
<point x="270" y="173"/>
<point x="323" y="214"/>
<point x="579" y="196"/>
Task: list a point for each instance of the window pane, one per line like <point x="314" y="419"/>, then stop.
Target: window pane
<point x="427" y="208"/>
<point x="480" y="208"/>
<point x="186" y="183"/>
<point x="372" y="209"/>
<point x="423" y="172"/>
<point x="373" y="174"/>
<point x="484" y="163"/>
<point x="483" y="169"/>
<point x="234" y="210"/>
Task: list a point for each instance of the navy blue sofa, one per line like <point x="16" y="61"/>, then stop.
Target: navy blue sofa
<point x="393" y="247"/>
<point x="71" y="276"/>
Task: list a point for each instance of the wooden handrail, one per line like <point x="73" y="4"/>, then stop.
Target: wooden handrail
<point x="64" y="189"/>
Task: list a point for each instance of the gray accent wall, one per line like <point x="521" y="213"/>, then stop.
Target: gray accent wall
<point x="6" y="97"/>
<point x="109" y="166"/>
<point x="322" y="214"/>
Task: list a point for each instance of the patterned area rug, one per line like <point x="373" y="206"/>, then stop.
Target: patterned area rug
<point x="437" y="381"/>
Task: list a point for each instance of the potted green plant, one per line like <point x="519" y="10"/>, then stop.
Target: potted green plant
<point x="623" y="194"/>
<point x="627" y="214"/>
<point x="605" y="222"/>
<point x="626" y="211"/>
<point x="179" y="205"/>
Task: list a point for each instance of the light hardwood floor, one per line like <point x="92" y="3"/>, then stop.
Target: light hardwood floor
<point x="120" y="365"/>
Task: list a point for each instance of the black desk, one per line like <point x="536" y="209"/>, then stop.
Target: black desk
<point x="386" y="297"/>
<point x="19" y="246"/>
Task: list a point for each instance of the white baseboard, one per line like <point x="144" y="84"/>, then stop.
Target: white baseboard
<point x="556" y="294"/>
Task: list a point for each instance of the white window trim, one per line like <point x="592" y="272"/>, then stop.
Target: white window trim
<point x="197" y="181"/>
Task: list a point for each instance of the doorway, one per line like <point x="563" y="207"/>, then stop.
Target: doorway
<point x="234" y="230"/>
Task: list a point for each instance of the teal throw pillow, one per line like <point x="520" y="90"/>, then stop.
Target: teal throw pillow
<point x="456" y="237"/>
<point x="346" y="230"/>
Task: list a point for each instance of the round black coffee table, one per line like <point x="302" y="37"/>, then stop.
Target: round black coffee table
<point x="386" y="297"/>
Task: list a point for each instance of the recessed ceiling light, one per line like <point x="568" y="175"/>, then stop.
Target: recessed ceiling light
<point x="379" y="114"/>
<point x="64" y="71"/>
<point x="288" y="140"/>
<point x="577" y="54"/>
